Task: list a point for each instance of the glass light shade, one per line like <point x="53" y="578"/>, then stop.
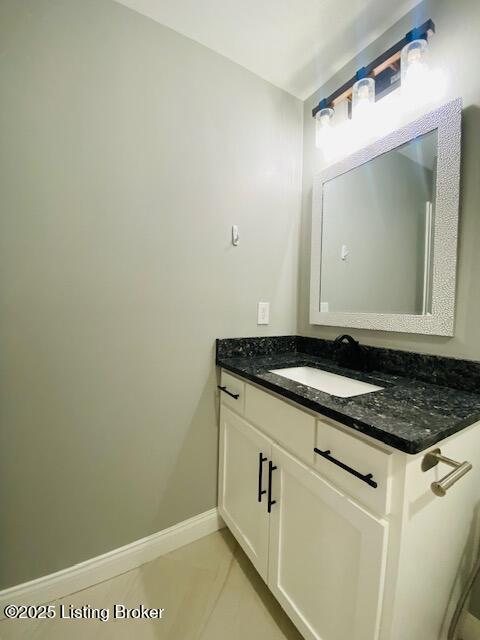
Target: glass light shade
<point x="323" y="121"/>
<point x="414" y="66"/>
<point x="363" y="97"/>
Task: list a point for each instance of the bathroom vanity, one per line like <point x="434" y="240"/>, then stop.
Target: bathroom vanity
<point x="353" y="484"/>
<point x="334" y="497"/>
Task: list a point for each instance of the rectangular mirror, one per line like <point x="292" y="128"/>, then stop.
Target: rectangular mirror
<point x="377" y="233"/>
<point x="384" y="231"/>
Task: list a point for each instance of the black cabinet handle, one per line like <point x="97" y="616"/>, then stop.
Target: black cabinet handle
<point x="368" y="478"/>
<point x="229" y="393"/>
<point x="270" y="503"/>
<point x="261" y="460"/>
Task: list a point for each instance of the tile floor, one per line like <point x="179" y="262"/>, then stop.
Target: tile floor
<point x="209" y="591"/>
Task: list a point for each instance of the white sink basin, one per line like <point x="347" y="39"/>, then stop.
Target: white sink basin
<point x="330" y="383"/>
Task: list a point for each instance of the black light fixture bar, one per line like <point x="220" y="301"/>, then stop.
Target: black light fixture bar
<point x="388" y="57"/>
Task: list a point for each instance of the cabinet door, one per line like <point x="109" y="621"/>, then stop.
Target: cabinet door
<point x="326" y="556"/>
<point x="242" y="487"/>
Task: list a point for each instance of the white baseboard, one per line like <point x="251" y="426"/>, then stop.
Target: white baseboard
<point x="471" y="628"/>
<point x="111" y="564"/>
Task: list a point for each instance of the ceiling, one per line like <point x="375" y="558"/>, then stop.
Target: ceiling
<point x="295" y="44"/>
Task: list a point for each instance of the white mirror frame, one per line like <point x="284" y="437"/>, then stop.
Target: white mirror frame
<point x="447" y="121"/>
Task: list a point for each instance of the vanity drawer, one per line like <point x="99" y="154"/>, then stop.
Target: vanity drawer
<point x="345" y="455"/>
<point x="235" y="387"/>
<point x="288" y="426"/>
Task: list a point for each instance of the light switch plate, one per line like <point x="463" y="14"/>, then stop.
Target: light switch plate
<point x="263" y="313"/>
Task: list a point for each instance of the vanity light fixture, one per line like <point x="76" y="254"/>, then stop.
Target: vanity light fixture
<point x="404" y="63"/>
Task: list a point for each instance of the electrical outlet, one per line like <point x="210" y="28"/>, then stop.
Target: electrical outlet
<point x="263" y="313"/>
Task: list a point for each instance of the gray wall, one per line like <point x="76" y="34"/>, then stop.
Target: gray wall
<point x="454" y="49"/>
<point x="126" y="153"/>
<point x="378" y="211"/>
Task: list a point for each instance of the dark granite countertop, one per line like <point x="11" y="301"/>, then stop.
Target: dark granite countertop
<point x="408" y="414"/>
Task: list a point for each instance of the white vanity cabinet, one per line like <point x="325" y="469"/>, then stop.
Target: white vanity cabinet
<point x="361" y="550"/>
<point x="326" y="555"/>
<point x="321" y="554"/>
<point x="244" y="456"/>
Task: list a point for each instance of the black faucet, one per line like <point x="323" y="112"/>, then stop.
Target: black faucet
<point x="349" y="353"/>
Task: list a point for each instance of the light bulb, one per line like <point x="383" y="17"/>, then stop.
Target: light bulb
<point x="363" y="93"/>
<point x="363" y="97"/>
<point x="420" y="85"/>
<point x="323" y="120"/>
<point x="414" y="69"/>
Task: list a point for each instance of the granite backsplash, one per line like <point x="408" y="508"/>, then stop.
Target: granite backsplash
<point x="454" y="373"/>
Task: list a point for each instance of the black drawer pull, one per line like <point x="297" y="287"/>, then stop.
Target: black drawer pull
<point x="270" y="503"/>
<point x="261" y="460"/>
<point x="229" y="393"/>
<point x="366" y="478"/>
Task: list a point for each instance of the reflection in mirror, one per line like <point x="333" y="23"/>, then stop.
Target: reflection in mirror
<point x="377" y="226"/>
